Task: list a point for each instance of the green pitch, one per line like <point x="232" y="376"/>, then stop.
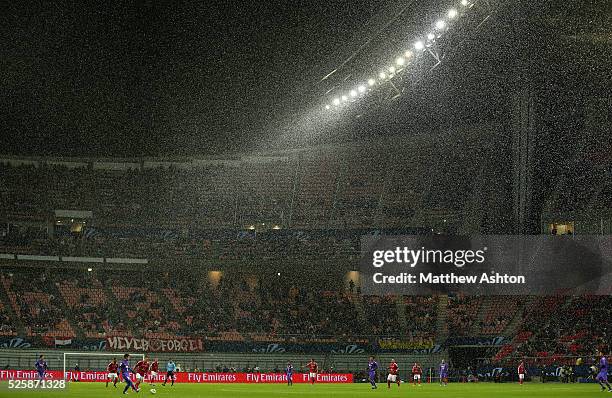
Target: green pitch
<point x="482" y="390"/>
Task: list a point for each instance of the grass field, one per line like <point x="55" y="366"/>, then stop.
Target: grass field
<point x="483" y="390"/>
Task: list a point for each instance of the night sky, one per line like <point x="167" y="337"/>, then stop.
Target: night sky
<point x="143" y="78"/>
<point x="148" y="79"/>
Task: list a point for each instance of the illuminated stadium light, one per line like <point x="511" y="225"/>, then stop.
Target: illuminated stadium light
<point x="398" y="67"/>
<point x="89" y="269"/>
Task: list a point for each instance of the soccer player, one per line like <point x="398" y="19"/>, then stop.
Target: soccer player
<point x="113" y="372"/>
<point x="313" y="369"/>
<point x="372" y="368"/>
<point x="125" y="369"/>
<point x="521" y="372"/>
<point x="41" y="367"/>
<point x="141" y="368"/>
<point x="443" y="374"/>
<point x="289" y="373"/>
<point x="417" y="373"/>
<point x="154" y="371"/>
<point x="393" y="376"/>
<point x="602" y="376"/>
<point x="170" y="368"/>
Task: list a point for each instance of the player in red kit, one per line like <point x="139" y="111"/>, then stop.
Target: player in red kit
<point x="141" y="368"/>
<point x="154" y="369"/>
<point x="521" y="372"/>
<point x="393" y="374"/>
<point x="417" y="372"/>
<point x="113" y="372"/>
<point x="313" y="369"/>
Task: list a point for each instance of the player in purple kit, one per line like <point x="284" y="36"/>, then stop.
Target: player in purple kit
<point x="602" y="376"/>
<point x="443" y="373"/>
<point x="372" y="368"/>
<point x="124" y="368"/>
<point x="41" y="367"/>
<point x="289" y="373"/>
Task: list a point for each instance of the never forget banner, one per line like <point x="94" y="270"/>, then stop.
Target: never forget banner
<point x="486" y="265"/>
<point x="185" y="377"/>
<point x="179" y="344"/>
<point x="131" y="344"/>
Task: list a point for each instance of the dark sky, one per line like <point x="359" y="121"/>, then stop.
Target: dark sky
<point x="181" y="78"/>
<point x="145" y="78"/>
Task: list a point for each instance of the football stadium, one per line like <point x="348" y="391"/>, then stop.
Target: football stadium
<point x="312" y="199"/>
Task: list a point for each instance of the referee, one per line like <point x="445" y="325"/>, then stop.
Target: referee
<point x="170" y="368"/>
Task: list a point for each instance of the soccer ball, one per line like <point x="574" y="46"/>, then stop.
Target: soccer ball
<point x="153" y="391"/>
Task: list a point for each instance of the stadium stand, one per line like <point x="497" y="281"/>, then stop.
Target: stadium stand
<point x="290" y="211"/>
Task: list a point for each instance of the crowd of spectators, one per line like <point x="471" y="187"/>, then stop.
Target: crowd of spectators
<point x="499" y="312"/>
<point x="566" y="326"/>
<point x="313" y="190"/>
<point x="462" y="313"/>
<point x="7" y="325"/>
<point x="266" y="306"/>
<point x="232" y="306"/>
<point x="39" y="309"/>
<point x="201" y="245"/>
<point x="421" y="313"/>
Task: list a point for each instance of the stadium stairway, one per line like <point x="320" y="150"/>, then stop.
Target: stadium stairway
<point x="513" y="327"/>
<point x="400" y="305"/>
<point x="4" y="298"/>
<point x="357" y="301"/>
<point x="508" y="349"/>
<point x="484" y="308"/>
<point x="67" y="313"/>
<point x="441" y="317"/>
